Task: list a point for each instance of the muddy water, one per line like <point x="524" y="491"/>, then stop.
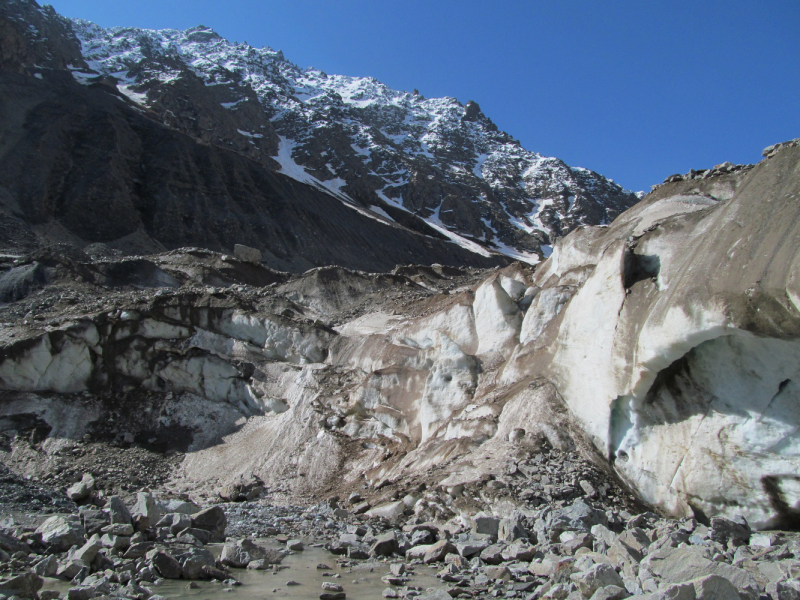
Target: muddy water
<point x="360" y="582"/>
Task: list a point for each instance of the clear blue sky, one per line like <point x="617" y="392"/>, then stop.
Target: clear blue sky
<point x="636" y="90"/>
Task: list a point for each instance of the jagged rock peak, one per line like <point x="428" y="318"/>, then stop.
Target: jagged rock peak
<point x="472" y="111"/>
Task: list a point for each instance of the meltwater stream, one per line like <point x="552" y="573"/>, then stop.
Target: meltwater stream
<point x="360" y="581"/>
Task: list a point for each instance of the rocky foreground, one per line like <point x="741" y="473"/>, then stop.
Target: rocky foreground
<point x="578" y="549"/>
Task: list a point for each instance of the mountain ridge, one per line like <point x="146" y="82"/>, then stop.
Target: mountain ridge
<point x="434" y="167"/>
<point x="380" y="147"/>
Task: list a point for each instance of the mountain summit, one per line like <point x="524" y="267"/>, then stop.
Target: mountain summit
<point x="436" y="158"/>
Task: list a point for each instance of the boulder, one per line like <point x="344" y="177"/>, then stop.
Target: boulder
<point x="436" y="594"/>
<point x="295" y="545"/>
<point x="93" y="519"/>
<point x="256" y="552"/>
<point x="78" y="491"/>
<point x="493" y="555"/>
<point x="118" y="512"/>
<point x="511" y="528"/>
<point x="788" y="590"/>
<point x="24" y="586"/>
<point x="714" y="587"/>
<point x="421" y="537"/>
<point x="175" y="522"/>
<point x="501" y="573"/>
<point x="678" y="565"/>
<point x="233" y="555"/>
<point x="118" y="529"/>
<point x="138" y="550"/>
<point x="81" y="592"/>
<point x="596" y="577"/>
<point x="214" y="573"/>
<point x="385" y="545"/>
<point x="11" y="544"/>
<point x="88" y="551"/>
<point x="473" y="546"/>
<point x="167" y="565"/>
<point x="486" y="524"/>
<point x="68" y="569"/>
<point x="417" y="552"/>
<point x="212" y="520"/>
<point x="519" y="551"/>
<point x="145" y="511"/>
<point x="579" y="516"/>
<point x="47" y="567"/>
<point x="62" y="532"/>
<point x="390" y="511"/>
<point x="610" y="592"/>
<point x="203" y="536"/>
<point x="178" y="506"/>
<point x="436" y="552"/>
<point x="192" y="565"/>
<point x="115" y="542"/>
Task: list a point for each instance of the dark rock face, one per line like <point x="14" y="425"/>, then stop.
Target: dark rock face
<point x="82" y="164"/>
<point x="32" y="35"/>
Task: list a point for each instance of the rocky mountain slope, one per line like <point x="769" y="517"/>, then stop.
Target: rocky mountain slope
<point x="431" y="165"/>
<point x="83" y="164"/>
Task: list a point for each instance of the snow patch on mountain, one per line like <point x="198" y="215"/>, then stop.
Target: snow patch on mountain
<point x="391" y="140"/>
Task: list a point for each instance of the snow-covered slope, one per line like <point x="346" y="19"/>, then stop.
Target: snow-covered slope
<point x="392" y="150"/>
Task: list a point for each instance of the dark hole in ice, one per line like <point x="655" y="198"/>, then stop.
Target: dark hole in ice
<point x="639" y="267"/>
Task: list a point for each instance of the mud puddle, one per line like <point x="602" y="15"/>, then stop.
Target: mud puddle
<point x="359" y="580"/>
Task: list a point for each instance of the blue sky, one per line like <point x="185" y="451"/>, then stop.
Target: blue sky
<point x="636" y="90"/>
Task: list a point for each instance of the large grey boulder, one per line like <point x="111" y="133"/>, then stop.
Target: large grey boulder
<point x="212" y="520"/>
<point x="178" y="506"/>
<point x="145" y="512"/>
<point x="88" y="551"/>
<point x="511" y="528"/>
<point x="175" y="522"/>
<point x="193" y="562"/>
<point x="256" y="552"/>
<point x="678" y="565"/>
<point x="62" y="532"/>
<point x="11" y="544"/>
<point x="598" y="576"/>
<point x="233" y="555"/>
<point x="710" y="587"/>
<point x="118" y="512"/>
<point x="167" y="565"/>
<point x="579" y="516"/>
<point x="47" y="567"/>
<point x="385" y="545"/>
<point x="472" y="546"/>
<point x="23" y="586"/>
<point x="485" y="523"/>
<point x="390" y="511"/>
